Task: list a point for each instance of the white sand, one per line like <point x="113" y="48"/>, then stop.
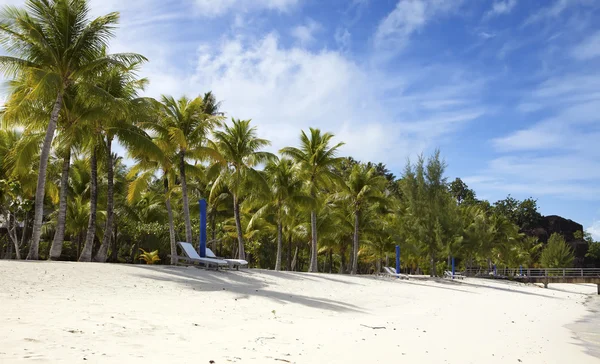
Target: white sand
<point x="101" y="313"/>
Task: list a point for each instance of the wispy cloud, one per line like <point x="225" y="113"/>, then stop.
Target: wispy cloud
<point x="589" y="48"/>
<point x="305" y="33"/>
<point x="287" y="89"/>
<point x="556" y="9"/>
<point x="343" y="39"/>
<point x="501" y="7"/>
<point x="213" y="8"/>
<point x="408" y="17"/>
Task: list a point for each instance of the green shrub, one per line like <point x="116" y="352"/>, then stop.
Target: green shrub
<point x="557" y="253"/>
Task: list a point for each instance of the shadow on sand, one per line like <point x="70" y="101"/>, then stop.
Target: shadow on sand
<point x="244" y="283"/>
<point x="472" y="284"/>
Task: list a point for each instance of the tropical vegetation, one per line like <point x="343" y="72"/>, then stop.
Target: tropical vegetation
<point x="65" y="194"/>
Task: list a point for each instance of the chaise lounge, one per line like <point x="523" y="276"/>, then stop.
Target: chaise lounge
<point x="191" y="256"/>
<point x="232" y="263"/>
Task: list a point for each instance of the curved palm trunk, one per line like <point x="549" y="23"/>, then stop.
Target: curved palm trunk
<point x="238" y="226"/>
<point x="313" y="253"/>
<point x="171" y="226"/>
<point x="355" y="247"/>
<point x="59" y="235"/>
<point x="101" y="255"/>
<point x="86" y="253"/>
<point x="41" y="182"/>
<point x="279" y="241"/>
<point x="184" y="193"/>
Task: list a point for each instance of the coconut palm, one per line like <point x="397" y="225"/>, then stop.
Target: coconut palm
<point x="240" y="151"/>
<point x="316" y="160"/>
<point x="53" y="44"/>
<point x="142" y="175"/>
<point x="363" y="188"/>
<point x="285" y="195"/>
<point x="121" y="86"/>
<point x="186" y="124"/>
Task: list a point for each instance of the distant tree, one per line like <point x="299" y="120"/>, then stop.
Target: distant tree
<point x="461" y="192"/>
<point x="557" y="254"/>
<point x="527" y="214"/>
<point x="594" y="251"/>
<point x="523" y="213"/>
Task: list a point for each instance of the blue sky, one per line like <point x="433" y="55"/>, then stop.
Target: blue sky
<point x="509" y="90"/>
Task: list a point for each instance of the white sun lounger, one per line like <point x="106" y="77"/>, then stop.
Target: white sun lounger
<point x="391" y="272"/>
<point x="448" y="274"/>
<point x="233" y="263"/>
<point x="192" y="257"/>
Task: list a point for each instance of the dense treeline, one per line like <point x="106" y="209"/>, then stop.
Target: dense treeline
<point x="65" y="194"/>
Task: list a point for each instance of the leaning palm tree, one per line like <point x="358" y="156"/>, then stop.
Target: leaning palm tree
<point x="186" y="124"/>
<point x="286" y="194"/>
<point x="239" y="153"/>
<point x="53" y="44"/>
<point x="363" y="188"/>
<point x="316" y="160"/>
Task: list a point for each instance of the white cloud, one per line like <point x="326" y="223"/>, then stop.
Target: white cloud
<point x="408" y="17"/>
<point x="305" y="33"/>
<point x="213" y="8"/>
<point x="588" y="49"/>
<point x="502" y="7"/>
<point x="594" y="230"/>
<point x="557" y="154"/>
<point x="557" y="8"/>
<point x="343" y="39"/>
<point x="285" y="90"/>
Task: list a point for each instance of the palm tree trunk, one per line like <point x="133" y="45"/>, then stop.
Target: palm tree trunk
<point x="213" y="227"/>
<point x="313" y="253"/>
<point x="289" y="253"/>
<point x="350" y="262"/>
<point x="355" y="247"/>
<point x="238" y="226"/>
<point x="295" y="260"/>
<point x="102" y="252"/>
<point x="115" y="250"/>
<point x="342" y="259"/>
<point x="279" y="241"/>
<point x="86" y="253"/>
<point x="184" y="193"/>
<point x="12" y="233"/>
<point x="25" y="223"/>
<point x="330" y="261"/>
<point x="41" y="182"/>
<point x="171" y="225"/>
<point x="59" y="235"/>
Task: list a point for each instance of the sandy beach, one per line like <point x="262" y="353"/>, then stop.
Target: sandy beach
<point x="101" y="313"/>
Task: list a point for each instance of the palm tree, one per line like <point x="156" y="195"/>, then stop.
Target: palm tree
<point x="143" y="173"/>
<point x="284" y="196"/>
<point x="76" y="112"/>
<point x="363" y="188"/>
<point x="53" y="44"/>
<point x="316" y="160"/>
<point x="186" y="124"/>
<point x="239" y="153"/>
<point x="121" y="86"/>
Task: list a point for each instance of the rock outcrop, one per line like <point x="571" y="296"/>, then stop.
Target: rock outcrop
<point x="565" y="227"/>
